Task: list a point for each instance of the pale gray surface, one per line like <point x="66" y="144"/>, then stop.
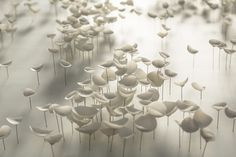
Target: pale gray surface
<point x="30" y="48"/>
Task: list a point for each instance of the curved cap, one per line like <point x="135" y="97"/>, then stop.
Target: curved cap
<point x="152" y="14"/>
<point x="203" y="120"/>
<point x="118" y="124"/>
<point x="37" y="68"/>
<point x="171" y="107"/>
<point x="14" y="120"/>
<point x="131" y="67"/>
<point x="65" y="64"/>
<point x="182" y="83"/>
<point x="71" y="95"/>
<point x="125" y="133"/>
<point x="99" y="81"/>
<point x="52" y="139"/>
<point x="6" y="63"/>
<point x="90" y="128"/>
<point x="85" y="111"/>
<point x="40" y="132"/>
<point x="162" y="34"/>
<point x="198" y="87"/>
<point x="170" y="73"/>
<point x="129" y="81"/>
<point x="85" y="92"/>
<point x="230" y="113"/>
<point x="155" y="79"/>
<point x="191" y="50"/>
<point x="207" y="135"/>
<point x="63" y="110"/>
<point x="5" y="131"/>
<point x="146" y="123"/>
<point x="219" y="106"/>
<point x="28" y="92"/>
<point x="189" y="125"/>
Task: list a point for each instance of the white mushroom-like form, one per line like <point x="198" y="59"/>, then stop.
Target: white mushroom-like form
<point x="229" y="52"/>
<point x="89" y="129"/>
<point x="214" y="43"/>
<point x="230" y="113"/>
<point x="199" y="88"/>
<point x="208" y="136"/>
<point x="162" y="35"/>
<point x="53" y="52"/>
<point x="157" y="109"/>
<point x="6" y="64"/>
<point x="170" y="74"/>
<point x="190" y="126"/>
<point x="28" y="92"/>
<point x="63" y="111"/>
<point x="15" y="121"/>
<point x="85" y="93"/>
<point x="155" y="79"/>
<point x="115" y="126"/>
<point x="193" y="52"/>
<point x="90" y="71"/>
<point x="51" y="36"/>
<point x="44" y="109"/>
<point x="147" y="62"/>
<point x="129" y="81"/>
<point x="159" y="64"/>
<point x="125" y="133"/>
<point x="40" y="132"/>
<point x="53" y="139"/>
<point x="99" y="81"/>
<point x="108" y="33"/>
<point x="70" y="96"/>
<point x="145" y="123"/>
<point x="203" y="120"/>
<point x="181" y="84"/>
<point x="171" y="108"/>
<point x="37" y="69"/>
<point x="64" y="64"/>
<point x="218" y="107"/>
<point x="133" y="111"/>
<point x="5" y="131"/>
<point x="152" y="14"/>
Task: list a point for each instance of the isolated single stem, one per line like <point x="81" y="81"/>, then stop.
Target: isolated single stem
<point x="162" y="91"/>
<point x="65" y="79"/>
<point x="30" y="103"/>
<point x="124" y="143"/>
<point x="89" y="142"/>
<point x="189" y="145"/>
<point x="218" y="118"/>
<point x="3" y="142"/>
<point x="219" y="60"/>
<point x="113" y="131"/>
<point x="52" y="151"/>
<point x="54" y="64"/>
<point x="213" y="58"/>
<point x="170" y="86"/>
<point x="179" y="138"/>
<point x="62" y="128"/>
<point x="58" y="127"/>
<point x="204" y="150"/>
<point x="17" y="137"/>
<point x="38" y="78"/>
<point x="233" y="124"/>
<point x="140" y="144"/>
<point x="7" y="71"/>
<point x="45" y="119"/>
